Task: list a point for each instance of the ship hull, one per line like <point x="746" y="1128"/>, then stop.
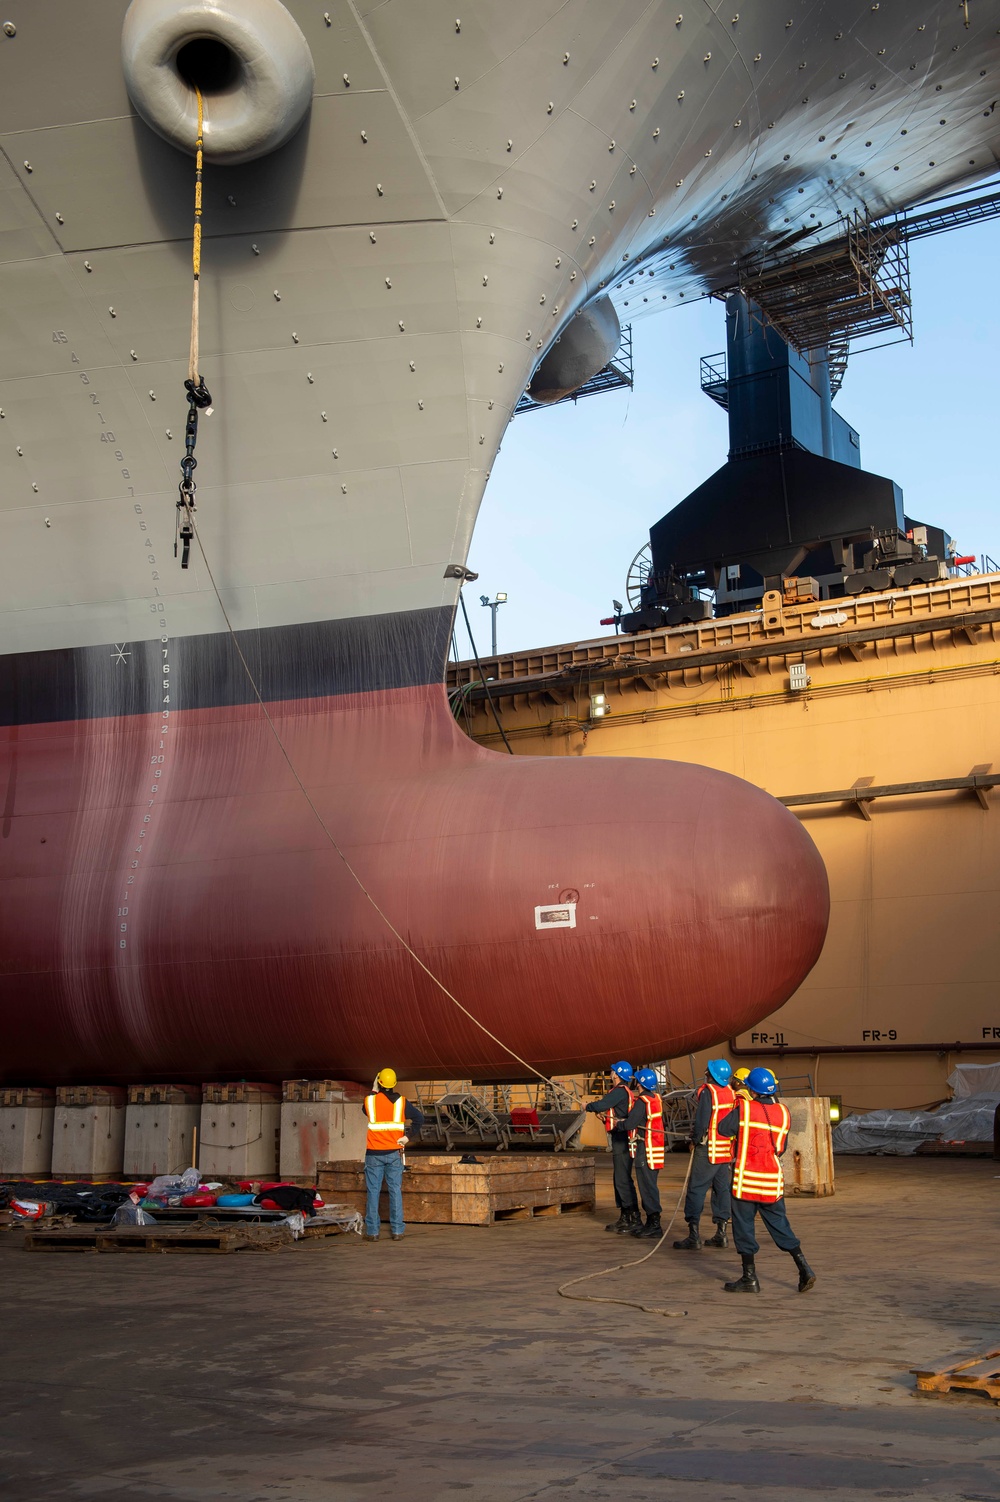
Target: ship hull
<point x="251" y="890"/>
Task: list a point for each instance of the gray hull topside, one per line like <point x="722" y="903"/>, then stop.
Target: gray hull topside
<point x="377" y="292"/>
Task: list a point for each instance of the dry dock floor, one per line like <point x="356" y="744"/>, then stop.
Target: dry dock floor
<point x="445" y="1366"/>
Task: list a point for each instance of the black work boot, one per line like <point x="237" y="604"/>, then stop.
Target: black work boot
<point x="692" y="1240"/>
<point x="720" y="1238"/>
<point x="621" y="1222"/>
<point x="806" y="1275"/>
<point x="632" y="1219"/>
<point x="652" y="1228"/>
<point x="748" y="1283"/>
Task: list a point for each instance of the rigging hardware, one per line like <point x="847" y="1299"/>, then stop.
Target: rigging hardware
<point x="198" y="395"/>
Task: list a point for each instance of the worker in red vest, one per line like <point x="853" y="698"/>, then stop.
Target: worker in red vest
<point x="387" y="1113"/>
<point x="644" y="1124"/>
<point x="712" y="1160"/>
<point x="616" y="1105"/>
<point x="758" y="1124"/>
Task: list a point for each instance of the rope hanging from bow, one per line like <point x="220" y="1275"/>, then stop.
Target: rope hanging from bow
<point x="198" y="395"/>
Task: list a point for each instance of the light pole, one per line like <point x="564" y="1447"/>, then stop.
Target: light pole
<point x="493" y="606"/>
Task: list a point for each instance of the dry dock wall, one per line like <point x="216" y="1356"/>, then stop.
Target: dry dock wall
<point x="903" y="689"/>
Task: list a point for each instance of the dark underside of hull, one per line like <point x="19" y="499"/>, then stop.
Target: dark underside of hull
<point x="365" y="653"/>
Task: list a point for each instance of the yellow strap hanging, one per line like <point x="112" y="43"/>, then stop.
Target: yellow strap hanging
<point x="196" y="244"/>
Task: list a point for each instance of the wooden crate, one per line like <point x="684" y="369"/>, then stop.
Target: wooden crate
<point x="962" y="1373"/>
<point x="503" y="1186"/>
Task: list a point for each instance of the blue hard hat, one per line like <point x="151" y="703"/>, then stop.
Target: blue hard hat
<point x="647" y="1079"/>
<point x="720" y="1070"/>
<point x="623" y="1069"/>
<point x="762" y="1082"/>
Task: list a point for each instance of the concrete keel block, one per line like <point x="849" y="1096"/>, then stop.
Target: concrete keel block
<point x="88" y="1137"/>
<point x="27" y="1118"/>
<point x="238" y="1135"/>
<point x="161" y="1126"/>
<point x="316" y="1131"/>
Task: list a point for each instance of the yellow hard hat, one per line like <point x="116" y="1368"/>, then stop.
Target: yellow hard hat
<point x="387" y="1077"/>
<point x="741" y="1074"/>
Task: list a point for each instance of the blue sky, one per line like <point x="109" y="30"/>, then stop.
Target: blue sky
<point x="575" y="489"/>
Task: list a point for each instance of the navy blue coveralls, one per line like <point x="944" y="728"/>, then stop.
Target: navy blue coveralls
<point x="616" y="1100"/>
<point x="645" y="1177"/>
<point x="706" y="1175"/>
<point x="774" y="1215"/>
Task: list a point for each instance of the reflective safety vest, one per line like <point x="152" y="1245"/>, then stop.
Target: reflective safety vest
<point x="720" y="1149"/>
<point x="386" y="1122"/>
<point x="611" y="1120"/>
<point x="652" y="1132"/>
<point x="762" y="1135"/>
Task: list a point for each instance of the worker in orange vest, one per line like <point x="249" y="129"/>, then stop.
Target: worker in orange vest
<point x="711" y="1163"/>
<point x="759" y="1123"/>
<point x="644" y="1123"/>
<point x="387" y="1113"/>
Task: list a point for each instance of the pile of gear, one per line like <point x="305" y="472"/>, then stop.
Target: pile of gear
<point x="739" y="1133"/>
<point x="140" y="1203"/>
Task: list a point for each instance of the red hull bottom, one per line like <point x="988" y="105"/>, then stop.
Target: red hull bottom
<point x="172" y="908"/>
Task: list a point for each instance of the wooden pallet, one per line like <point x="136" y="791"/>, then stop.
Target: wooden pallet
<point x="215" y="1239"/>
<point x="501" y="1186"/>
<point x="962" y="1373"/>
<point x="327" y="1228"/>
<point x="533" y="1212"/>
